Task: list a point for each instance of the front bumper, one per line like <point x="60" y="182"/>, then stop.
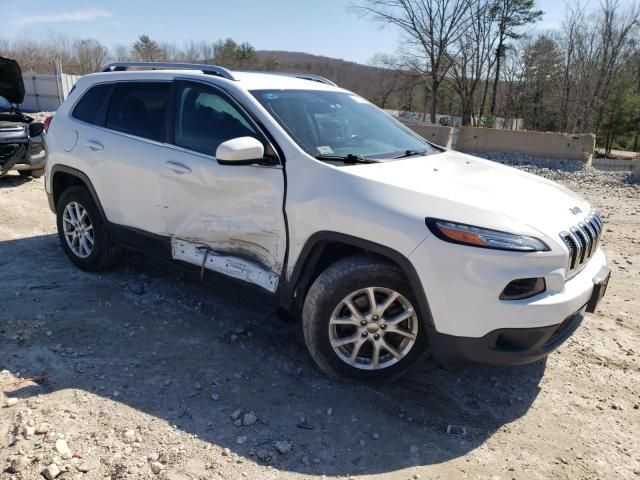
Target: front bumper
<point x="508" y="346"/>
<point x="25" y="155"/>
<point x="463" y="284"/>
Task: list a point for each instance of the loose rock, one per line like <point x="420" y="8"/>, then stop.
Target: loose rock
<point x="63" y="449"/>
<point x="19" y="463"/>
<point x="156" y="467"/>
<point x="51" y="472"/>
<point x="283" y="446"/>
<point x="249" y="419"/>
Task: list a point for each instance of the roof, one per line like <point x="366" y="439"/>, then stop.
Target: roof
<point x="241" y="79"/>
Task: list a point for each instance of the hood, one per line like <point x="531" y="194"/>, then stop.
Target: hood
<point x="11" y="84"/>
<point x="459" y="187"/>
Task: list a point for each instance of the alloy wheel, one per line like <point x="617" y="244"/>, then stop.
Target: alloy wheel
<point x="373" y="328"/>
<point x="78" y="229"/>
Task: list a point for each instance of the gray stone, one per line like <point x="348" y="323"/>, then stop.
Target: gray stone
<point x="236" y="415"/>
<point x="283" y="446"/>
<point x="19" y="463"/>
<point x="249" y="419"/>
<point x="51" y="472"/>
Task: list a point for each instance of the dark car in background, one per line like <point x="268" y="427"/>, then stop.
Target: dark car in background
<point x="21" y="138"/>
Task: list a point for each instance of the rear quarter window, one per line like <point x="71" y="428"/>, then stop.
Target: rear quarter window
<point x="91" y="106"/>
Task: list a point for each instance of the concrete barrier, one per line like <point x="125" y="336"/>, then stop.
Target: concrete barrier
<point x="537" y="144"/>
<point x="614" y="164"/>
<point x="636" y="172"/>
<point x="439" y="135"/>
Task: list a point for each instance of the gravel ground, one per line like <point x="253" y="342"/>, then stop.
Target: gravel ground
<point x="142" y="372"/>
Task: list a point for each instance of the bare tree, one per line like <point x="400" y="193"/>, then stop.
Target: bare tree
<point x="121" y="53"/>
<point x="474" y="52"/>
<point x="391" y="72"/>
<point x="431" y="27"/>
<point x="91" y="55"/>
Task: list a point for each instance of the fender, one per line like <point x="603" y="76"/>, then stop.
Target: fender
<point x="80" y="176"/>
<point x="291" y="292"/>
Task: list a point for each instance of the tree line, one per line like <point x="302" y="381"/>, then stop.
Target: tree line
<point x="475" y="59"/>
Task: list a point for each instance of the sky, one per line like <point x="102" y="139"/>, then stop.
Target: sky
<point x="321" y="27"/>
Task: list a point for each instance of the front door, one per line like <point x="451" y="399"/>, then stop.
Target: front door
<point x="227" y="218"/>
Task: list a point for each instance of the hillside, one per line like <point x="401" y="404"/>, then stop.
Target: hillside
<point x="362" y="79"/>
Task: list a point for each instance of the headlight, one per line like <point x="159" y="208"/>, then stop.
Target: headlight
<point x="484" y="237"/>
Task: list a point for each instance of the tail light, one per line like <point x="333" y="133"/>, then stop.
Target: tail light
<point x="47" y="122"/>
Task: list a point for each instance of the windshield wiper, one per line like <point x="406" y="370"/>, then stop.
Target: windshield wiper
<point x="411" y="153"/>
<point x="350" y="158"/>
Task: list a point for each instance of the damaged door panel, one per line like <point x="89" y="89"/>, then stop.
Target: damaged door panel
<point x="226" y="263"/>
<point x="233" y="212"/>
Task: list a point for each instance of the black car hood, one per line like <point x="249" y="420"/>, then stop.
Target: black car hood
<point x="11" y="84"/>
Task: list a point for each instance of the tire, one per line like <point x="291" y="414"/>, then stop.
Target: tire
<point x="103" y="253"/>
<point x="326" y="317"/>
<point x="37" y="173"/>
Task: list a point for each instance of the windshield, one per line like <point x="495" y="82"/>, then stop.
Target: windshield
<point x="340" y="124"/>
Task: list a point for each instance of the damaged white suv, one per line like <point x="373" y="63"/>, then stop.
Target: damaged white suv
<point x="388" y="248"/>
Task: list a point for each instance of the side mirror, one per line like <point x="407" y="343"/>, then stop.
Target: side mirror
<point x="240" y="151"/>
<point x="35" y="129"/>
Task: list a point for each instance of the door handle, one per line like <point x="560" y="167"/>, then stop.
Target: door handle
<point x="95" y="146"/>
<point x="176" y="167"/>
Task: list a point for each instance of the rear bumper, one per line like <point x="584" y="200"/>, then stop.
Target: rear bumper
<point x="506" y="346"/>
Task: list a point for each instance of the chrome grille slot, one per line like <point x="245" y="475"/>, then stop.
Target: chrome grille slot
<point x="582" y="241"/>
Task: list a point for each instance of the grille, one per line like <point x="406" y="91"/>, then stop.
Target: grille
<point x="582" y="241"/>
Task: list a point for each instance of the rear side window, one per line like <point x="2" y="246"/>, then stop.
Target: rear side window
<point x="140" y="109"/>
<point x="90" y="107"/>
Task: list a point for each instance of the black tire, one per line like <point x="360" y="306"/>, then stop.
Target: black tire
<point x="327" y="292"/>
<point x="105" y="253"/>
<point x="37" y="173"/>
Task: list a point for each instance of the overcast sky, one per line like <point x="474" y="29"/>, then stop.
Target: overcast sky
<point x="322" y="27"/>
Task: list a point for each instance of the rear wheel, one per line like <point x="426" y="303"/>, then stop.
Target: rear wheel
<point x="361" y="321"/>
<point x="82" y="231"/>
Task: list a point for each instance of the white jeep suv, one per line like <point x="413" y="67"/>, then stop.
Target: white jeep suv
<point x="388" y="247"/>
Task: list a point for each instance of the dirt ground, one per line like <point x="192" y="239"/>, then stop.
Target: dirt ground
<point x="140" y="373"/>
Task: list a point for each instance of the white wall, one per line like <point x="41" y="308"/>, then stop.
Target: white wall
<point x="46" y="92"/>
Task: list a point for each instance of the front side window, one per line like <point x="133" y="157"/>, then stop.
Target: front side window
<point x="326" y="123"/>
<point x="140" y="108"/>
<point x="204" y="119"/>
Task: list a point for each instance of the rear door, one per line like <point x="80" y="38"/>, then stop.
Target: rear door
<point x="128" y="154"/>
<point x="226" y="217"/>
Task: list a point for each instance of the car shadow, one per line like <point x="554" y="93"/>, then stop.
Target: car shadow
<point x="11" y="180"/>
<point x="155" y="339"/>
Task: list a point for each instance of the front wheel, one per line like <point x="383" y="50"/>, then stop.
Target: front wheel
<point x="361" y="321"/>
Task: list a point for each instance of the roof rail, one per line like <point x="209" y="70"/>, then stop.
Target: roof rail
<point x="207" y="69"/>
<point x="305" y="76"/>
<point x="302" y="76"/>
